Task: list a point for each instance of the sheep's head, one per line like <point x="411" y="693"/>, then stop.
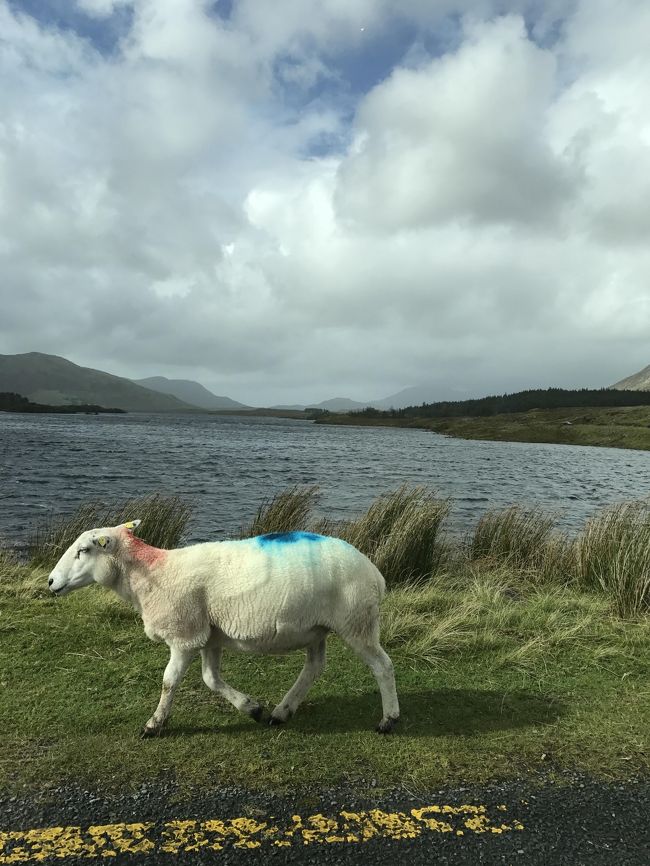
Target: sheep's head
<point x="90" y="559"/>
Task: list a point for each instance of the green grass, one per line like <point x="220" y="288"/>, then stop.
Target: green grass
<point x="505" y="666"/>
<point x="492" y="675"/>
<point x="627" y="427"/>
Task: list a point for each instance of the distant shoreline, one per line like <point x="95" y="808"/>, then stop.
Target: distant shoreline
<point x="606" y="427"/>
<point x="17" y="404"/>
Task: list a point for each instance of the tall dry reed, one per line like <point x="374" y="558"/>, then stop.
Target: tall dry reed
<point x="400" y="533"/>
<point x="164" y="520"/>
<point x="613" y="555"/>
<point x="523" y="539"/>
<point x="287" y="511"/>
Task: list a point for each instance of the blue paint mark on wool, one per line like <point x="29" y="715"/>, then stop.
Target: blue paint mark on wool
<point x="288" y="538"/>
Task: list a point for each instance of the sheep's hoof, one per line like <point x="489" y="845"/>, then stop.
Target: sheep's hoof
<point x="256" y="713"/>
<point x="281" y="714"/>
<point x="147" y="733"/>
<point x="387" y="725"/>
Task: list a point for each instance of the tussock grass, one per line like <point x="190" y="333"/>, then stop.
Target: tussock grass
<point x="164" y="519"/>
<point x="515" y="622"/>
<point x="515" y="536"/>
<point x="400" y="533"/>
<point x="613" y="555"/>
<point x="18" y="580"/>
<point x="287" y="511"/>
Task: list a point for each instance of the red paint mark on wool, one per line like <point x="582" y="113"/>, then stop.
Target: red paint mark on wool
<point x="145" y="553"/>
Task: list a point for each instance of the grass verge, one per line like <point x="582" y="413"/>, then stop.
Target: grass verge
<point x="504" y="667"/>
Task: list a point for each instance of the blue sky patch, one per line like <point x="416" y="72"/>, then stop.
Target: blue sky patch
<point x="103" y="33"/>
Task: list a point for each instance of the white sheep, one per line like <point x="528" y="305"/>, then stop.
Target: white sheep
<point x="269" y="594"/>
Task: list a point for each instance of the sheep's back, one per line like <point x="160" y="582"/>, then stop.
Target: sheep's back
<point x="257" y="586"/>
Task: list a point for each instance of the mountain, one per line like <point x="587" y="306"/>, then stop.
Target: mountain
<point x="338" y="404"/>
<point x="413" y="396"/>
<point x="58" y="382"/>
<point x="417" y="395"/>
<point x="190" y="392"/>
<point x="637" y="382"/>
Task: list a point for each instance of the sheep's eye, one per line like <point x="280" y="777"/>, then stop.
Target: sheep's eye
<point x="80" y="551"/>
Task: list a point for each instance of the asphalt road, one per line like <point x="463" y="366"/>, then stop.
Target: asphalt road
<point x="574" y="821"/>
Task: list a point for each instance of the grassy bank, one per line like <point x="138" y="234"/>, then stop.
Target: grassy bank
<point x="516" y="652"/>
<point x="626" y="427"/>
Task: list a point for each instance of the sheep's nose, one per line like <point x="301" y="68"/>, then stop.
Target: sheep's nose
<point x="50" y="581"/>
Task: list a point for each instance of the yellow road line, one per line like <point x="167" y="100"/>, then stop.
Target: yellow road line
<point x="176" y="837"/>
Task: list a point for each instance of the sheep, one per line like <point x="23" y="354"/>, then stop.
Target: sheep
<point x="268" y="594"/>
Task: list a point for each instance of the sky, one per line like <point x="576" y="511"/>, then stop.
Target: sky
<point x="293" y="201"/>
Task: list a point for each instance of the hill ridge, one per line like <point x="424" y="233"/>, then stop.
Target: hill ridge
<point x="54" y="380"/>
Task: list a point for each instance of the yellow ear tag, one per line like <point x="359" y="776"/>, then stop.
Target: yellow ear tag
<point x="102" y="541"/>
<point x="132" y="524"/>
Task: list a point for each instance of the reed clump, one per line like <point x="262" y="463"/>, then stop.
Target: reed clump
<point x="288" y="511"/>
<point x="524" y="539"/>
<point x="612" y="555"/>
<point x="164" y="521"/>
<point x="400" y="533"/>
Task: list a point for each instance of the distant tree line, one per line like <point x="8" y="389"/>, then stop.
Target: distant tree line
<point x="10" y="402"/>
<point x="521" y="401"/>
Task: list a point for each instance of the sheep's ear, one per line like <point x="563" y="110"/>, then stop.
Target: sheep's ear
<point x="132" y="524"/>
<point x="102" y="541"/>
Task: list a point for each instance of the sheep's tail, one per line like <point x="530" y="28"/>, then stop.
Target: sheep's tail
<point x="381" y="583"/>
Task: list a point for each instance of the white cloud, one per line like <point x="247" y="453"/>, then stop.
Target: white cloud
<point x="464" y="137"/>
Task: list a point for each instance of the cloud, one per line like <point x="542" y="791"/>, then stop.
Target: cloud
<point x="464" y="137"/>
<point x="213" y="199"/>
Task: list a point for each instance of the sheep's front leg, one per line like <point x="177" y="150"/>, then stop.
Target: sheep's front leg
<point x="179" y="660"/>
<point x="211" y="663"/>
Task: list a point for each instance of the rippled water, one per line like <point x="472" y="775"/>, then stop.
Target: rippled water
<point x="226" y="466"/>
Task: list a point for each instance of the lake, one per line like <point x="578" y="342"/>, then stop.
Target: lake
<point x="225" y="466"/>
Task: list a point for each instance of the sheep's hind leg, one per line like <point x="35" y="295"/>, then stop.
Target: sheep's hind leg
<point x="211" y="664"/>
<point x="312" y="669"/>
<point x="382" y="667"/>
<point x="179" y="660"/>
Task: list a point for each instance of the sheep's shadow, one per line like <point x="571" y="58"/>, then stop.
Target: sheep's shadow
<point x="436" y="712"/>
